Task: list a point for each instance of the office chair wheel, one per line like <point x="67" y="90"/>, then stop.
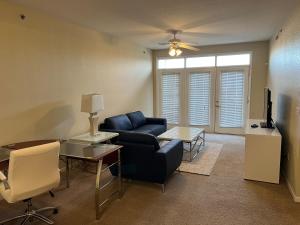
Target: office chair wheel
<point x="55" y="211"/>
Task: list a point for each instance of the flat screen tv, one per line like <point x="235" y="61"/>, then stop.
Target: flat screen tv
<point x="268" y="122"/>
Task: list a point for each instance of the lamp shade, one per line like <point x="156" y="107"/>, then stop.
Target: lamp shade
<point x="92" y="103"/>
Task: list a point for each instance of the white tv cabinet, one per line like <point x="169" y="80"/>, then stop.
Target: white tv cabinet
<point x="262" y="153"/>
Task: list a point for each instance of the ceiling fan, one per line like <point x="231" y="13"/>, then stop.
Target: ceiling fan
<point x="176" y="45"/>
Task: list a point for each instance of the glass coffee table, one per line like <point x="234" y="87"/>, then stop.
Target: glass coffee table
<point x="190" y="135"/>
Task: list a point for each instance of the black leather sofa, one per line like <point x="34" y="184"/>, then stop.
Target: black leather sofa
<point x="135" y="122"/>
<point x="141" y="156"/>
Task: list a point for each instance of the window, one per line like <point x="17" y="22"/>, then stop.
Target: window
<point x="199" y="98"/>
<point x="170" y="99"/>
<point x="208" y="61"/>
<point x="208" y="91"/>
<point x="177" y="63"/>
<point x="233" y="60"/>
<point x="205" y="61"/>
<point x="232" y="99"/>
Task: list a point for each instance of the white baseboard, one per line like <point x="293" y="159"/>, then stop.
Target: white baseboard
<point x="291" y="189"/>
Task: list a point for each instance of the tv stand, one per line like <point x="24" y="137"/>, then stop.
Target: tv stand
<point x="264" y="125"/>
<point x="262" y="153"/>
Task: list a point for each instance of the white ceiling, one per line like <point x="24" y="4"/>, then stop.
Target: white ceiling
<point x="145" y="22"/>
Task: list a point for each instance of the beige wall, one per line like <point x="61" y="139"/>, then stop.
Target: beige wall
<point x="45" y="66"/>
<point x="284" y="80"/>
<point x="260" y="56"/>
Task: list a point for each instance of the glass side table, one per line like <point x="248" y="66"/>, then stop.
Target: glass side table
<point x="95" y="153"/>
<point x="98" y="138"/>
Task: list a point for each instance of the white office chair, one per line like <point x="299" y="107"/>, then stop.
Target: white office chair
<point x="32" y="171"/>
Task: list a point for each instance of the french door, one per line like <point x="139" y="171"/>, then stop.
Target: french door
<point x="210" y="98"/>
<point x="171" y="96"/>
<point x="199" y="107"/>
<point x="231" y="105"/>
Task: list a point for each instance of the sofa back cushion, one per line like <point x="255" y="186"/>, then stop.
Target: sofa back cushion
<point x="139" y="138"/>
<point x="137" y="119"/>
<point x="120" y="122"/>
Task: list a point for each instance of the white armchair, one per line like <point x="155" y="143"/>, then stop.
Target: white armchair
<point x="32" y="171"/>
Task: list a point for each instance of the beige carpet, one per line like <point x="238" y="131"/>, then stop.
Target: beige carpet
<point x="204" y="162"/>
<point x="223" y="198"/>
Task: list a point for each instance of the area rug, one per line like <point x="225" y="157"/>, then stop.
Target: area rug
<point x="204" y="162"/>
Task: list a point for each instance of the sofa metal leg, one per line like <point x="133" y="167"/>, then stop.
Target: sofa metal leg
<point x="163" y="188"/>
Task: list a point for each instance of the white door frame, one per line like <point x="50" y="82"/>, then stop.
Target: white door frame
<point x="245" y="70"/>
<point x="212" y="72"/>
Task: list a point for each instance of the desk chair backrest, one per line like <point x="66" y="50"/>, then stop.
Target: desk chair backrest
<point x="33" y="171"/>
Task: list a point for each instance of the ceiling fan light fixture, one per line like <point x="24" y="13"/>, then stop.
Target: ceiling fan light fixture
<point x="172" y="51"/>
<point x="178" y="52"/>
<point x="176" y="45"/>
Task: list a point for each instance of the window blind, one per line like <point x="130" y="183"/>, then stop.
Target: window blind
<point x="231" y="100"/>
<point x="170" y="99"/>
<point x="199" y="98"/>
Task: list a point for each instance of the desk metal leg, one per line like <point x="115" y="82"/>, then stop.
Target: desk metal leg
<point x="67" y="172"/>
<point x="98" y="203"/>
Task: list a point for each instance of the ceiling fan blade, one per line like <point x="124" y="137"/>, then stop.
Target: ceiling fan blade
<point x="190" y="43"/>
<point x="184" y="45"/>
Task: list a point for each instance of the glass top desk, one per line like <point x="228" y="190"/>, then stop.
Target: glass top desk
<point x="5" y="150"/>
<point x="87" y="152"/>
<point x="94" y="153"/>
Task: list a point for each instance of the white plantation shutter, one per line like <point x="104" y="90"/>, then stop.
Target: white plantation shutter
<point x="231" y="100"/>
<point x="199" y="98"/>
<point x="170" y="99"/>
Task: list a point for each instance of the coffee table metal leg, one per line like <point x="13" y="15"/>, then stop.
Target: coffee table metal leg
<point x="191" y="149"/>
<point x="203" y="138"/>
<point x="193" y="146"/>
<point x="119" y="174"/>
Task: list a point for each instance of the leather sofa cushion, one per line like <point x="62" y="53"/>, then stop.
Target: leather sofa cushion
<point x="137" y="118"/>
<point x="120" y="122"/>
<point x="154" y="129"/>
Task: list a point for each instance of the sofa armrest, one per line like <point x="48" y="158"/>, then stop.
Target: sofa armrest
<point x="139" y="138"/>
<point x="152" y="120"/>
<point x="113" y="140"/>
<point x="169" y="158"/>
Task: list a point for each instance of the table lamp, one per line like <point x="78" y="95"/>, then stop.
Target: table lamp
<point x="92" y="104"/>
